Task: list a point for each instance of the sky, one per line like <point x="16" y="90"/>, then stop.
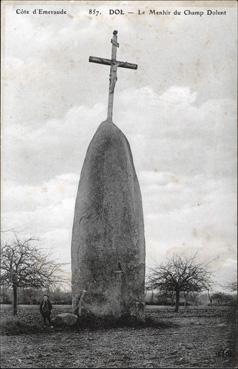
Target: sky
<point x="178" y="111"/>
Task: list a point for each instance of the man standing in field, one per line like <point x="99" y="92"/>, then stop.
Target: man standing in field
<point x="45" y="309"/>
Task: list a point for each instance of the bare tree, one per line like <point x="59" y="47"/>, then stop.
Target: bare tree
<point x="180" y="274"/>
<point x="24" y="265"/>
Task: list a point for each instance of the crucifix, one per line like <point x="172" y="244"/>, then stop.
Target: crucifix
<point x="114" y="64"/>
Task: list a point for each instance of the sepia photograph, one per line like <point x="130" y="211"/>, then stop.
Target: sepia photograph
<point x="118" y="184"/>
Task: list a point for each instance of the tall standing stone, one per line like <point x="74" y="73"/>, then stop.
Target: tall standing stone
<point x="108" y="245"/>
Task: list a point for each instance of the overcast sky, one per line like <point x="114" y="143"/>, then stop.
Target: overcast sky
<point x="178" y="111"/>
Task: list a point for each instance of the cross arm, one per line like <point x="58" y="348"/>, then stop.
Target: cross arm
<point x="127" y="65"/>
<point x="95" y="59"/>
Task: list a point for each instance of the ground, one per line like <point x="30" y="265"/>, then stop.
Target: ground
<point x="194" y="337"/>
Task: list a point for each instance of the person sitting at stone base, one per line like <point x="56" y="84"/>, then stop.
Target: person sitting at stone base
<point x="79" y="303"/>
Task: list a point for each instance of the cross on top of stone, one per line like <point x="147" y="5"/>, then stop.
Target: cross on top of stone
<point x="114" y="64"/>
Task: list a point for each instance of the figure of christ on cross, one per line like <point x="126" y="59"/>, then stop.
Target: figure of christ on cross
<point x="114" y="64"/>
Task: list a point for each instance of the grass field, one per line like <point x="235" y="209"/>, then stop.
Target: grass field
<point x="194" y="337"/>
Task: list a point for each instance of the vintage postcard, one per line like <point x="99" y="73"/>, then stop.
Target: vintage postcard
<point x="118" y="237"/>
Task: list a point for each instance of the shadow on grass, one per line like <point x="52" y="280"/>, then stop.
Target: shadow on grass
<point x="93" y="323"/>
<point x="14" y="326"/>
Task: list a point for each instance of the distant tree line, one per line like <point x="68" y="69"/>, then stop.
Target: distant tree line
<point x="222" y="298"/>
<point x="31" y="296"/>
<point x="157" y="297"/>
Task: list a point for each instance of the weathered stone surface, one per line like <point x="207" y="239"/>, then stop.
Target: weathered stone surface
<point x="108" y="246"/>
<point x="65" y="319"/>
